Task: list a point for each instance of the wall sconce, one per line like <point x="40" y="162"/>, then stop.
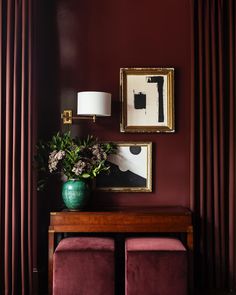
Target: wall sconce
<point x="90" y="104"/>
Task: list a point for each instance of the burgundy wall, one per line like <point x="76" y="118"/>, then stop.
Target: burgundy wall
<point x="82" y="44"/>
<point x="96" y="39"/>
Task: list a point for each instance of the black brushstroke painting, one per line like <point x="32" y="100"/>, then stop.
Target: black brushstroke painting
<point x="118" y="178"/>
<point x="140" y="101"/>
<point x="159" y="80"/>
<point x="135" y="150"/>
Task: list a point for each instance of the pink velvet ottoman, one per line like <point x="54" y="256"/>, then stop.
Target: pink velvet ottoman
<point x="84" y="266"/>
<point x="155" y="266"/>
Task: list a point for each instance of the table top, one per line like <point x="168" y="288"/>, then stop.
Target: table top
<point x="165" y="210"/>
<point x="161" y="219"/>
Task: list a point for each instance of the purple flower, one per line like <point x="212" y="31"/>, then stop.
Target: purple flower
<point x="54" y="158"/>
<point x="79" y="167"/>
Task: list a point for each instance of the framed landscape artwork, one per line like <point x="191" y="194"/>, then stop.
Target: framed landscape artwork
<point x="131" y="169"/>
<point x="147" y="96"/>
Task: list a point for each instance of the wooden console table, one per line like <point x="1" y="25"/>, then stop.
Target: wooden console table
<point x="129" y="220"/>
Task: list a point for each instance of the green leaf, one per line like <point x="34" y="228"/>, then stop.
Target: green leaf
<point x="85" y="175"/>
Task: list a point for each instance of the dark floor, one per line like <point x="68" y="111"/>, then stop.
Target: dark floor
<point x="215" y="292"/>
<point x="202" y="293"/>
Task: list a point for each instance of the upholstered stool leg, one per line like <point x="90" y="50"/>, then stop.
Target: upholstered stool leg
<point x="84" y="266"/>
<point x="155" y="266"/>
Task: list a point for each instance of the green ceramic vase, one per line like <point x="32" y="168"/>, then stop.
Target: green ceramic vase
<point x="75" y="194"/>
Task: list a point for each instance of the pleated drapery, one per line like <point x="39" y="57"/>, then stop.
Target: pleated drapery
<point x="16" y="138"/>
<point x="213" y="141"/>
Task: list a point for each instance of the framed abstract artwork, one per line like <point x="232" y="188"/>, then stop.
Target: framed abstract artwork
<point x="147" y="97"/>
<point x="130" y="169"/>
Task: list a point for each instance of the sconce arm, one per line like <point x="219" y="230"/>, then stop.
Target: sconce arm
<point x="68" y="118"/>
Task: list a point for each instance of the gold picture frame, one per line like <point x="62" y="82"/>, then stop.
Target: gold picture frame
<point x="130" y="169"/>
<point x="147" y="98"/>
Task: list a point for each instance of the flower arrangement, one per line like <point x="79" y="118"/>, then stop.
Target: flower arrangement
<point x="73" y="157"/>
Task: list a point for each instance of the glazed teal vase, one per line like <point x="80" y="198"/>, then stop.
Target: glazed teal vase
<point x="75" y="194"/>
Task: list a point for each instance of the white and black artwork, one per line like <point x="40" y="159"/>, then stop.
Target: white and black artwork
<point x="131" y="169"/>
<point x="147" y="100"/>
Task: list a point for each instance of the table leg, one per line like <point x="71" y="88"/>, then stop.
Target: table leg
<point x="50" y="259"/>
<point x="190" y="238"/>
<point x="190" y="258"/>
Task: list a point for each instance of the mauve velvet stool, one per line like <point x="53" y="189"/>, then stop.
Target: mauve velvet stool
<point x="155" y="266"/>
<point x="84" y="266"/>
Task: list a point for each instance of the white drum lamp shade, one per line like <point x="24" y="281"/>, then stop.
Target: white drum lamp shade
<point x="90" y="103"/>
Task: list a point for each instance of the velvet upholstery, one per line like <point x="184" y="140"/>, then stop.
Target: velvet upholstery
<point x="155" y="266"/>
<point x="84" y="266"/>
<point x="84" y="244"/>
<point x="154" y="244"/>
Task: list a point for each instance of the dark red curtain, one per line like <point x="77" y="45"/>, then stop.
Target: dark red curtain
<point x="16" y="142"/>
<point x="213" y="141"/>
